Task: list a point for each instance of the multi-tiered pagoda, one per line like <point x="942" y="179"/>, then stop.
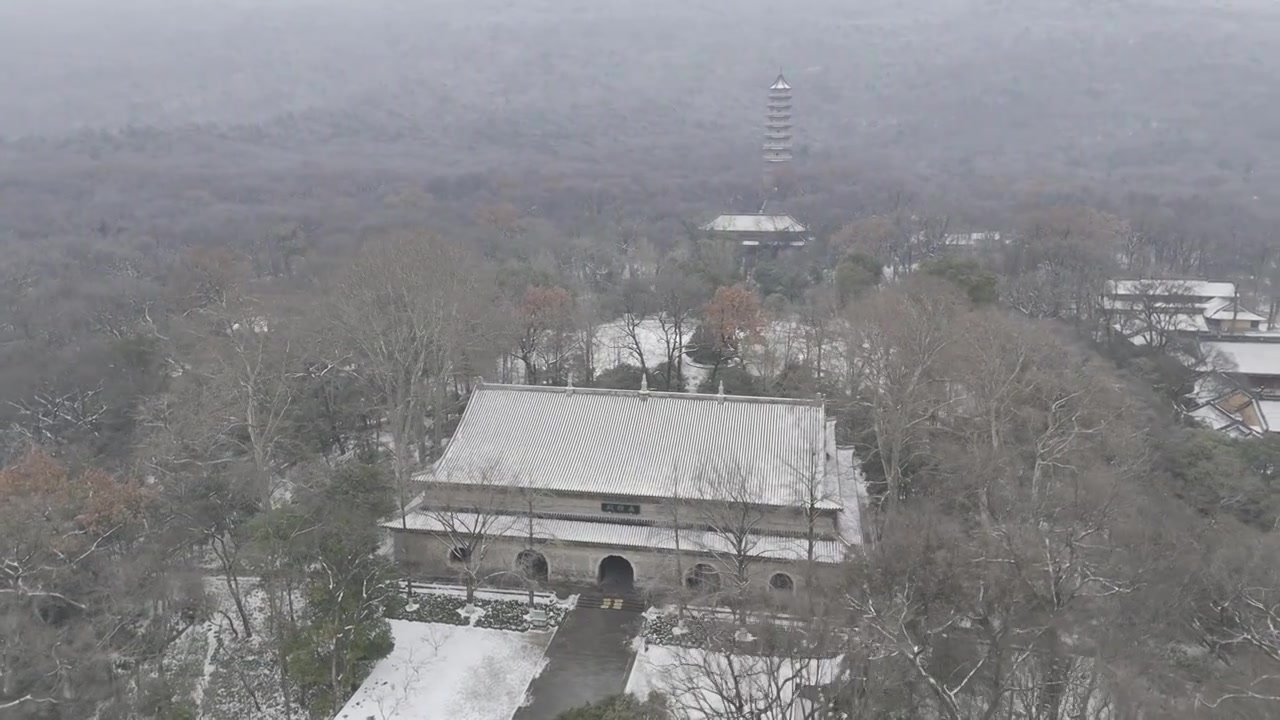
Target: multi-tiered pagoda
<point x="777" y="127"/>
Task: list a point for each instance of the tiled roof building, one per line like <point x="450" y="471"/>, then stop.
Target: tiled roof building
<point x="607" y="484"/>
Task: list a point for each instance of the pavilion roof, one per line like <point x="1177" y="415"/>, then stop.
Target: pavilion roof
<point x="755" y="223"/>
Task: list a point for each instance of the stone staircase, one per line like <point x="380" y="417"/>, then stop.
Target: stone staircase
<point x="626" y="602"/>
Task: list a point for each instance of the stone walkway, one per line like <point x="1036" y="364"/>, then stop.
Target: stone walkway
<point x="589" y="658"/>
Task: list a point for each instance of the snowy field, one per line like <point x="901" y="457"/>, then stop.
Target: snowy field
<point x="449" y="672"/>
<point x="783" y="343"/>
<point x="613" y="347"/>
<point x="703" y="685"/>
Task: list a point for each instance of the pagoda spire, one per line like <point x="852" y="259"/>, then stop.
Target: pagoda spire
<point x="777" y="131"/>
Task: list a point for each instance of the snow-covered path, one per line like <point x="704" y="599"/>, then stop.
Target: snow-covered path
<point x="449" y="672"/>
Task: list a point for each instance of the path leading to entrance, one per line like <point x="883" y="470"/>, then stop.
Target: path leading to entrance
<point x="588" y="659"/>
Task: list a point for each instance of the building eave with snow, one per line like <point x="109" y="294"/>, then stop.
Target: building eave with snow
<point x="757" y="230"/>
<point x="611" y="484"/>
<point x="1238" y="356"/>
<point x="1142" y="308"/>
<point x="1254" y="360"/>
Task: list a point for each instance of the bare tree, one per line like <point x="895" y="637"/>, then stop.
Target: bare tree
<point x="52" y="418"/>
<point x="635" y="303"/>
<point x="785" y="671"/>
<point x="729" y="507"/>
<point x="260" y="371"/>
<point x="1233" y="595"/>
<point x="815" y="496"/>
<point x="468" y="518"/>
<point x="818" y="319"/>
<point x="586" y="328"/>
<point x="896" y="346"/>
<point x="1059" y="262"/>
<point x="404" y="313"/>
<point x="531" y="563"/>
<point x="677" y="518"/>
<point x="679" y="297"/>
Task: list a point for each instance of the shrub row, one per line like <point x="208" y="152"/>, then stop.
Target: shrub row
<point x="498" y="614"/>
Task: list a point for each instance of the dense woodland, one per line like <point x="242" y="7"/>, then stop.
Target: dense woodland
<point x="246" y="294"/>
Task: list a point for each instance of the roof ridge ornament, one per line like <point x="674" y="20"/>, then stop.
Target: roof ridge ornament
<point x="644" y="385"/>
<point x="720" y="395"/>
<point x="568" y="390"/>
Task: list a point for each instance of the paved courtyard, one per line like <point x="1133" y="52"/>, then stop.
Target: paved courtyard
<point x="589" y="658"/>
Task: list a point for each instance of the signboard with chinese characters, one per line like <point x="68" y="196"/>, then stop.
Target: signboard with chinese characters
<point x="622" y="508"/>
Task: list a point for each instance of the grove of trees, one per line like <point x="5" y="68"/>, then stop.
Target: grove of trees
<point x="240" y="309"/>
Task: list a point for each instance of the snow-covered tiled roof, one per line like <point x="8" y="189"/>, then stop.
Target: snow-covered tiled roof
<point x="1229" y="309"/>
<point x="849" y="520"/>
<point x="1270" y="410"/>
<point x="1173" y="286"/>
<point x="621" y="535"/>
<point x="780" y="84"/>
<point x="1250" y="358"/>
<point x="1213" y="417"/>
<point x="638" y="443"/>
<point x="755" y="223"/>
<point x="969" y="239"/>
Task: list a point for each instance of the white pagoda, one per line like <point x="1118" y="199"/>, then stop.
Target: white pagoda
<point x="777" y="136"/>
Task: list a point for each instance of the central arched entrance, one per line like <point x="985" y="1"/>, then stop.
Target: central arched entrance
<point x="703" y="578"/>
<point x="532" y="565"/>
<point x="616" y="573"/>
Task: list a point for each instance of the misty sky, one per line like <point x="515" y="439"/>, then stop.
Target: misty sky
<point x="1020" y="78"/>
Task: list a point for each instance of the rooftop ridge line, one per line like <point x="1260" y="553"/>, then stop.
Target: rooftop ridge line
<point x="653" y="394"/>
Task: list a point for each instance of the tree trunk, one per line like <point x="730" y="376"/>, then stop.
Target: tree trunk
<point x="330" y="414"/>
<point x="471" y="586"/>
<point x="335" y="683"/>
<point x="437" y="422"/>
<point x="233" y="586"/>
<point x="282" y="660"/>
<point x="1058" y="667"/>
<point x="399" y="463"/>
<point x="232" y="580"/>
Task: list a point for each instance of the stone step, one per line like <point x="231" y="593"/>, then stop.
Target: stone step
<point x="621" y="602"/>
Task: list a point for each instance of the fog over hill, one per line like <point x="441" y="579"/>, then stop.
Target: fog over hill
<point x="1180" y="93"/>
<point x="261" y="257"/>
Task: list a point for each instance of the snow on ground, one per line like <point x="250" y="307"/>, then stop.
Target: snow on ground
<point x="783" y="343"/>
<point x="215" y="672"/>
<point x="613" y="347"/>
<point x="449" y="672"/>
<point x="540" y="598"/>
<point x="704" y="685"/>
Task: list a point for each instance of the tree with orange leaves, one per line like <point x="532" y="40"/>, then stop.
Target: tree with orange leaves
<point x="545" y="319"/>
<point x="731" y="323"/>
<point x="77" y="595"/>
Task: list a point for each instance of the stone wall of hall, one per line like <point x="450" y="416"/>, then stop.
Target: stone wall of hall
<point x="426" y="554"/>
<point x="772" y="518"/>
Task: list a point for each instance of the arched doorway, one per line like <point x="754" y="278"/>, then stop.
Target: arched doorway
<point x="532" y="565"/>
<point x="782" y="582"/>
<point x="616" y="573"/>
<point x="703" y="578"/>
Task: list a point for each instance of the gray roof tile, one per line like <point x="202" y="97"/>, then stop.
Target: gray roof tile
<point x="631" y="443"/>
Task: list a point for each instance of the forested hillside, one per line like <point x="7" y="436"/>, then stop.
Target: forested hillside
<point x="1161" y="95"/>
<point x="257" y="254"/>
